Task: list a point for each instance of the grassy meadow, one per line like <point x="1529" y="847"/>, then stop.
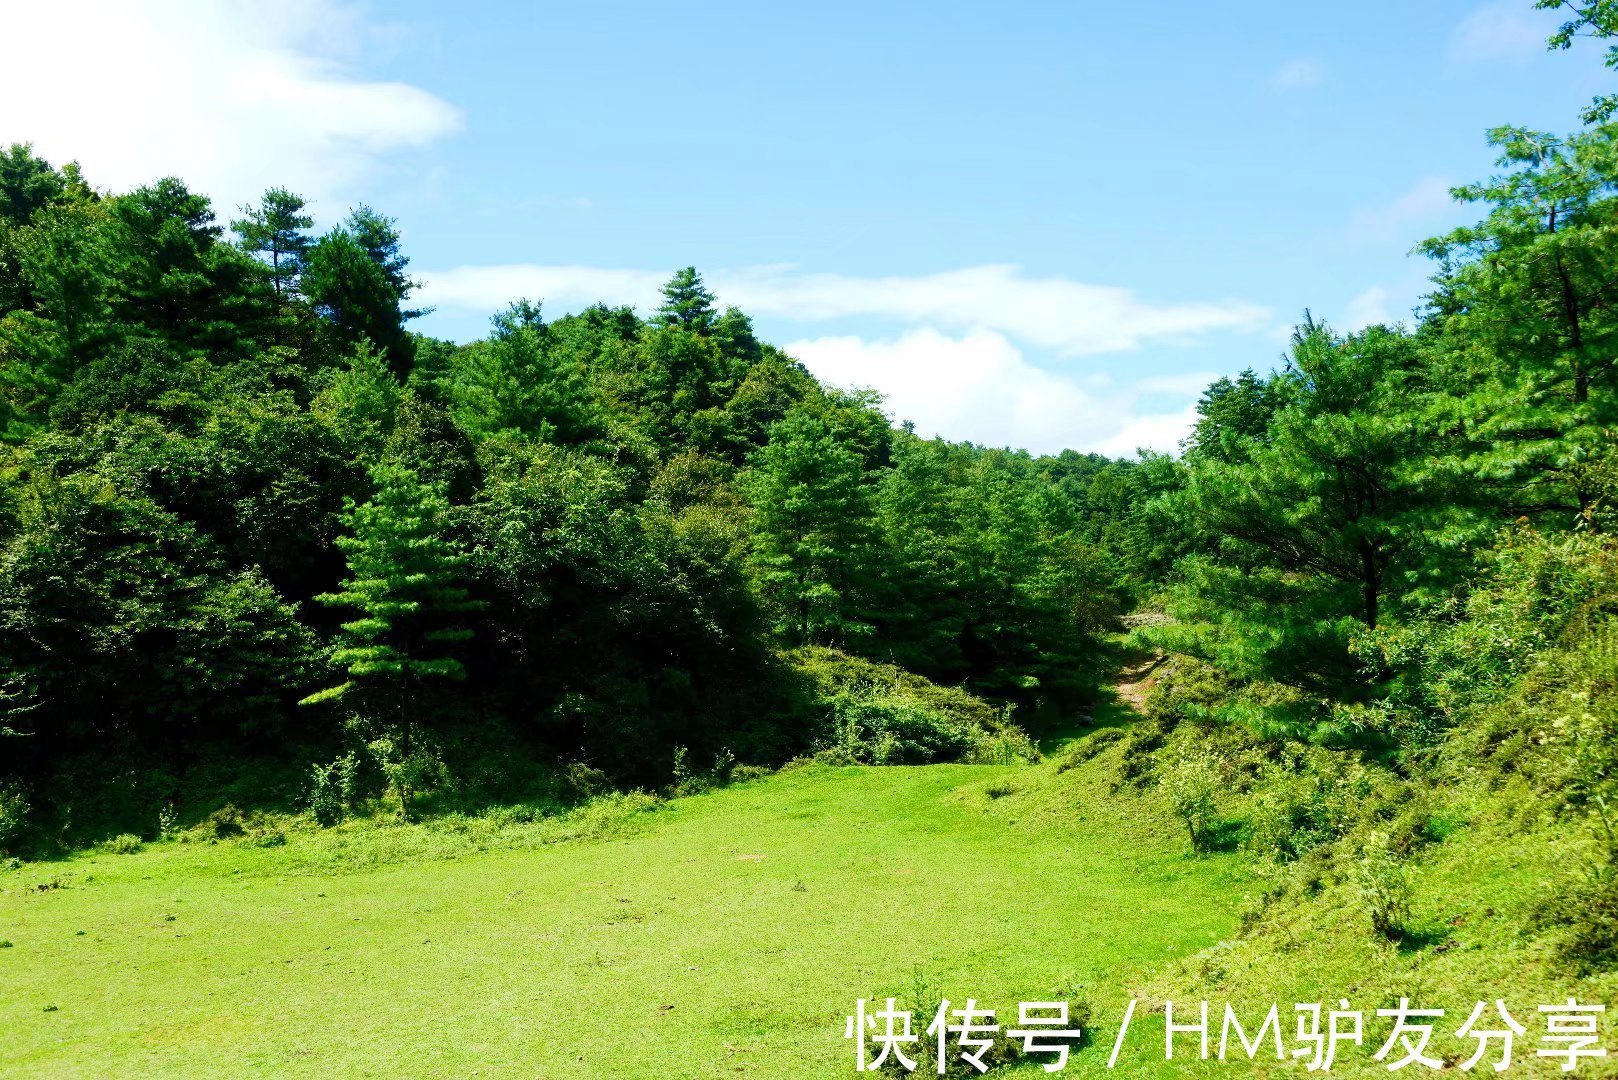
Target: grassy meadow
<point x="722" y="933"/>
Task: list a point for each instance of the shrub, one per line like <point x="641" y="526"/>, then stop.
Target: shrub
<point x="1186" y="687"/>
<point x="411" y="771"/>
<point x="610" y="815"/>
<point x="1383" y="887"/>
<point x="225" y="822"/>
<point x="1009" y="746"/>
<point x="1190" y="780"/>
<point x="123" y="844"/>
<point x="13" y="815"/>
<point x="871" y="728"/>
<point x="683" y="776"/>
<point x="1463" y="655"/>
<point x="333" y="788"/>
<point x="878" y="714"/>
<point x="584" y="783"/>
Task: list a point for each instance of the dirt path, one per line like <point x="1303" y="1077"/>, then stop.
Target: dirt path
<point x="1136" y="679"/>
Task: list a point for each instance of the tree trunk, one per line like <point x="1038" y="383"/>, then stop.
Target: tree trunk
<point x="1371" y="583"/>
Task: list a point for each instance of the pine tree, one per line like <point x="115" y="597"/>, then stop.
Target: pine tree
<point x="27" y="184"/>
<point x="403" y="581"/>
<point x="1231" y="413"/>
<point x="814" y="531"/>
<point x="378" y="234"/>
<point x="356" y="298"/>
<point x="360" y="403"/>
<point x="687" y="303"/>
<point x="174" y="279"/>
<point x="516" y="383"/>
<point x="1528" y="301"/>
<point x="276" y="228"/>
<point x="1595" y="19"/>
<point x="1324" y="525"/>
<point x="733" y="333"/>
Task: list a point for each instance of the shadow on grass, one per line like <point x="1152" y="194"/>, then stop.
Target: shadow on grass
<point x="1416" y="938"/>
<point x="1226" y="834"/>
<point x="1109" y="711"/>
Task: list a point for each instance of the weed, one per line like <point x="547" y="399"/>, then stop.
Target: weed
<point x="333" y="788"/>
<point x="167" y="819"/>
<point x="1383" y="887"/>
<point x="1190" y="780"/>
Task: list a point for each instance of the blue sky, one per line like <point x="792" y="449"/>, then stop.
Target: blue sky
<point x="1039" y="224"/>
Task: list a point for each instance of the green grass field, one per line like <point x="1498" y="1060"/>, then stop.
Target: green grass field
<point x="722" y="933"/>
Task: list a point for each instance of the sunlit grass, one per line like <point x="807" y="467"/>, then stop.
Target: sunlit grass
<point x="721" y="932"/>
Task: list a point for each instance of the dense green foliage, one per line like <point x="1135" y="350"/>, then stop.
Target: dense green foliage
<point x="1384" y="588"/>
<point x="251" y="526"/>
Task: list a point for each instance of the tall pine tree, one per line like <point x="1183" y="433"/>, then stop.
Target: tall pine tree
<point x="687" y="303"/>
<point x="404" y="582"/>
<point x="277" y="230"/>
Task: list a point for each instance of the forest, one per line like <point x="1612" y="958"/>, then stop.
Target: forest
<point x="257" y="530"/>
<point x="264" y="549"/>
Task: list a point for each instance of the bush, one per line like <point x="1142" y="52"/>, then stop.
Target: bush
<point x="1306" y="798"/>
<point x="584" y="783"/>
<point x="13" y="816"/>
<point x="878" y="714"/>
<point x="123" y="844"/>
<point x="1463" y="655"/>
<point x="333" y="788"/>
<point x="1383" y="886"/>
<point x="1186" y="687"/>
<point x="611" y="815"/>
<point x="1191" y="782"/>
<point x="1009" y="746"/>
<point x="225" y="822"/>
<point x="410" y="772"/>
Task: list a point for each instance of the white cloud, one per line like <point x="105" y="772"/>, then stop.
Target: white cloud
<point x="1404" y="220"/>
<point x="1504" y="30"/>
<point x="1369" y="308"/>
<point x="1389" y="302"/>
<point x="1153" y="431"/>
<point x="979" y="386"/>
<point x="231" y="97"/>
<point x="1069" y="317"/>
<point x="1299" y="73"/>
<point x="483" y="289"/>
<point x="1194" y="382"/>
